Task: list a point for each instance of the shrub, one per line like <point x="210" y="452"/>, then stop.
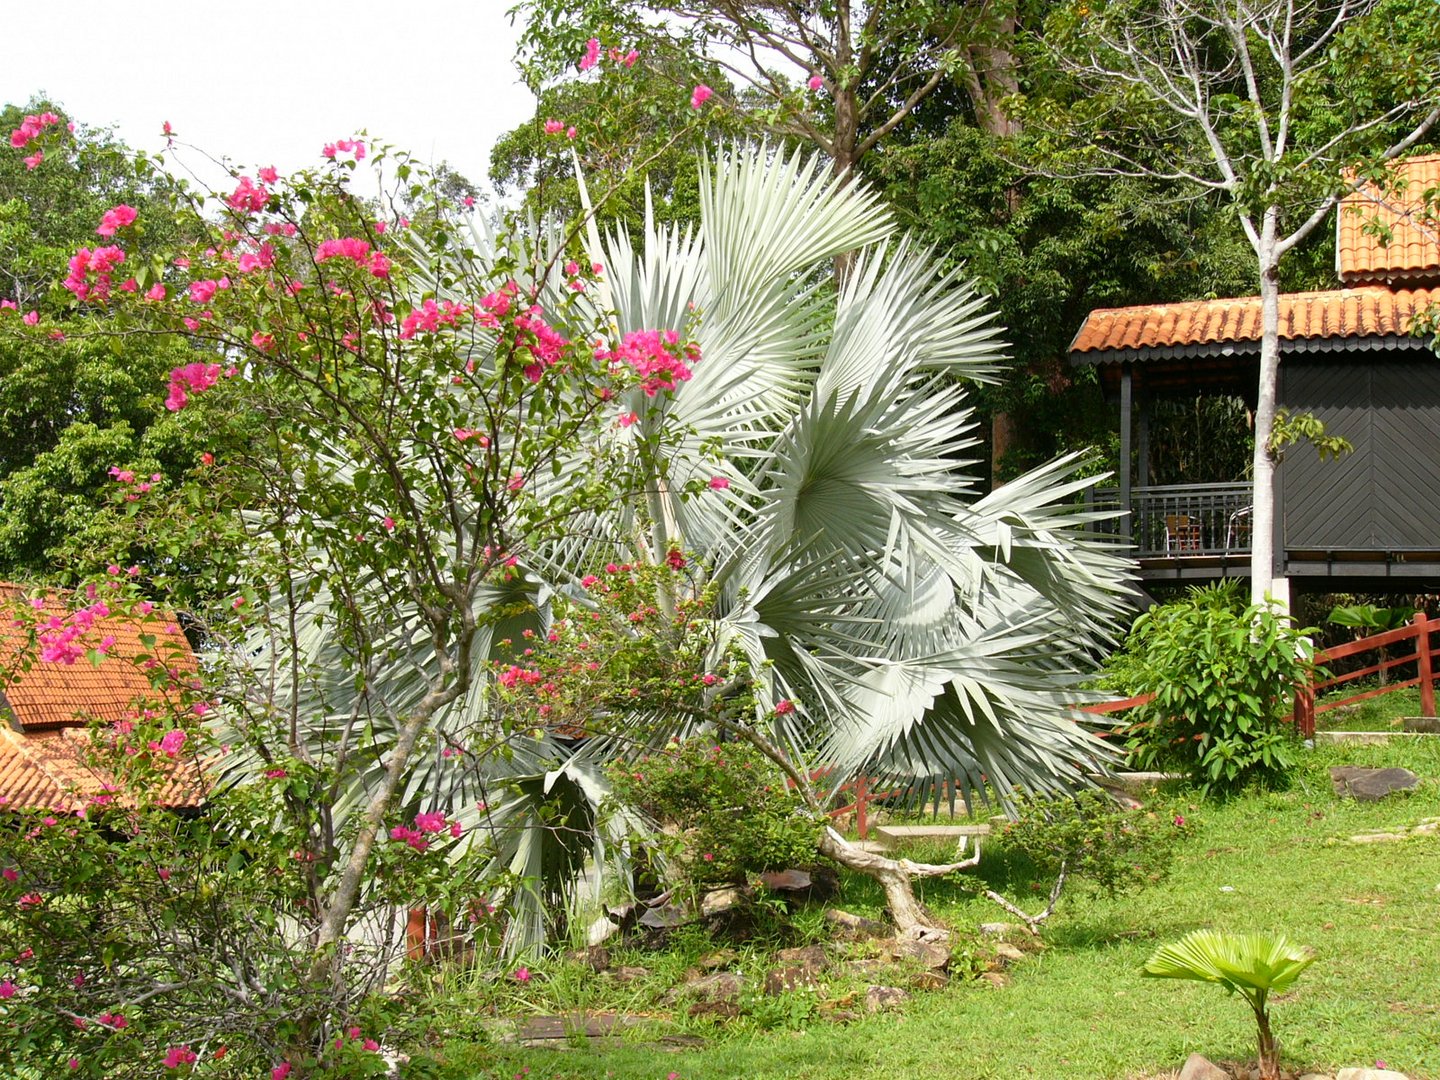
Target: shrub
<point x="1114" y="850"/>
<point x="1222" y="677"/>
<point x="726" y="808"/>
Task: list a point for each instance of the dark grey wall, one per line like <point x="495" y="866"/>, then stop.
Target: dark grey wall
<point x="1386" y="495"/>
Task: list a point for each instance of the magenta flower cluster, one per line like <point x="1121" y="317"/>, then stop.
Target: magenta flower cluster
<point x="649" y="353"/>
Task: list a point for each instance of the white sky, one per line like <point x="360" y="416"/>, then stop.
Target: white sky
<point x="271" y="84"/>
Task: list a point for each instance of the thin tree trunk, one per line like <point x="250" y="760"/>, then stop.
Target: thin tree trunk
<point x="1262" y="537"/>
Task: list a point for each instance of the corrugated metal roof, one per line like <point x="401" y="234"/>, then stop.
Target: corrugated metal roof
<point x="1413" y="248"/>
<point x="1364" y="312"/>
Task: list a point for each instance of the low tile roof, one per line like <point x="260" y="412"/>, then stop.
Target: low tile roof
<point x="46" y="706"/>
<point x="1413" y="251"/>
<point x="51" y="694"/>
<point x="50" y="770"/>
<point x="1363" y="312"/>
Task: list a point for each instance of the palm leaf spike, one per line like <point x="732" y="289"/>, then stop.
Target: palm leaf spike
<point x="1252" y="965"/>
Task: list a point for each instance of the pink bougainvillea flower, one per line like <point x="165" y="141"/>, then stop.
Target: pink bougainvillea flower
<point x="30" y="318"/>
<point x="783" y="706"/>
<point x="281" y="1071"/>
<point x="116" y="218"/>
<point x="268" y="175"/>
<point x="522" y="975"/>
<point x="516" y="482"/>
<point x="554" y="127"/>
<point x="592" y="54"/>
<point x="7" y="989"/>
<point x="629" y="58"/>
<point x="155" y="292"/>
<point x="172" y="742"/>
<point x="719" y="483"/>
<point x="249" y="196"/>
<point x="570" y="133"/>
<point x="816" y="82"/>
<point x="179" y="1055"/>
<point x="33" y="161"/>
<point x="700" y="95"/>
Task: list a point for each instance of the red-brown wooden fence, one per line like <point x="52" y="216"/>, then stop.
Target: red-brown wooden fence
<point x="1306" y="707"/>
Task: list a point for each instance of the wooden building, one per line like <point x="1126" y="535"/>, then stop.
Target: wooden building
<point x="1367" y="522"/>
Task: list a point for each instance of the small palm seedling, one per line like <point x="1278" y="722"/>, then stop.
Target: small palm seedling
<point x="1252" y="965"/>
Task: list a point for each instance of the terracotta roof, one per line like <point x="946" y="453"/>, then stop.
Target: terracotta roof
<point x="1413" y="251"/>
<point x="52" y="694"/>
<point x="1370" y="311"/>
<point x="49" y="770"/>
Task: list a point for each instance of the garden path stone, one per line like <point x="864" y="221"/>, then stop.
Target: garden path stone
<point x="1370" y="785"/>
<point x="1370" y="1074"/>
<point x="628" y="974"/>
<point x="884" y="998"/>
<point x="1199" y="1067"/>
<point x="543" y="1029"/>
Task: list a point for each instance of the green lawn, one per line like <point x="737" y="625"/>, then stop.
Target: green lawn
<point x="1266" y="861"/>
<point x="1383" y="713"/>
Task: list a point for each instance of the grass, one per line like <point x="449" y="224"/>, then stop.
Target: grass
<point x="1273" y="861"/>
<point x="1383" y="713"/>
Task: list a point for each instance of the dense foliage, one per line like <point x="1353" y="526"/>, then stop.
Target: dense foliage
<point x="729" y="807"/>
<point x="1223" y="678"/>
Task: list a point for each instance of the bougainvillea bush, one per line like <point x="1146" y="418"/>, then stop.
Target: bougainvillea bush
<point x="411" y="375"/>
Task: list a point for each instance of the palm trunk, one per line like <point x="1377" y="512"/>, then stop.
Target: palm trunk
<point x="896" y="877"/>
<point x="1269" y="1048"/>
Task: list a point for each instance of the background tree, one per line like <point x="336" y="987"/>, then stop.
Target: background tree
<point x="840" y="76"/>
<point x="1267" y="103"/>
<point x="72" y="409"/>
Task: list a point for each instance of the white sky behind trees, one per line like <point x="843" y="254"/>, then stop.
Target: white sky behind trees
<point x="271" y="84"/>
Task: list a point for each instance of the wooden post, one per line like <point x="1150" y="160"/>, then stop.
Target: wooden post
<point x="1126" y="420"/>
<point x="415" y="933"/>
<point x="862" y="796"/>
<point x="1305" y="710"/>
<point x="1426" y="672"/>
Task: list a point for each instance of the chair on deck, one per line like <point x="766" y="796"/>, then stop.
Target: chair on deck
<point x="1182" y="533"/>
<point x="1237" y="529"/>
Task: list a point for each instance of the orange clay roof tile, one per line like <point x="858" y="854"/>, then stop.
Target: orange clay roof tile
<point x="45" y="706"/>
<point x="52" y="694"/>
<point x="51" y="770"/>
<point x="1366" y="311"/>
<point x="1413" y="250"/>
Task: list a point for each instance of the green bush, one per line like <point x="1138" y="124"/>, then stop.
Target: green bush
<point x="1096" y="840"/>
<point x="1223" y="677"/>
<point x="726" y="808"/>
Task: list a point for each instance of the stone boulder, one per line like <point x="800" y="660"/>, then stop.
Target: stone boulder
<point x="1370" y="785"/>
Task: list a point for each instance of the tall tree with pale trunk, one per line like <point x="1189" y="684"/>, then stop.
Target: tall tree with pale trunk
<point x="1281" y="106"/>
